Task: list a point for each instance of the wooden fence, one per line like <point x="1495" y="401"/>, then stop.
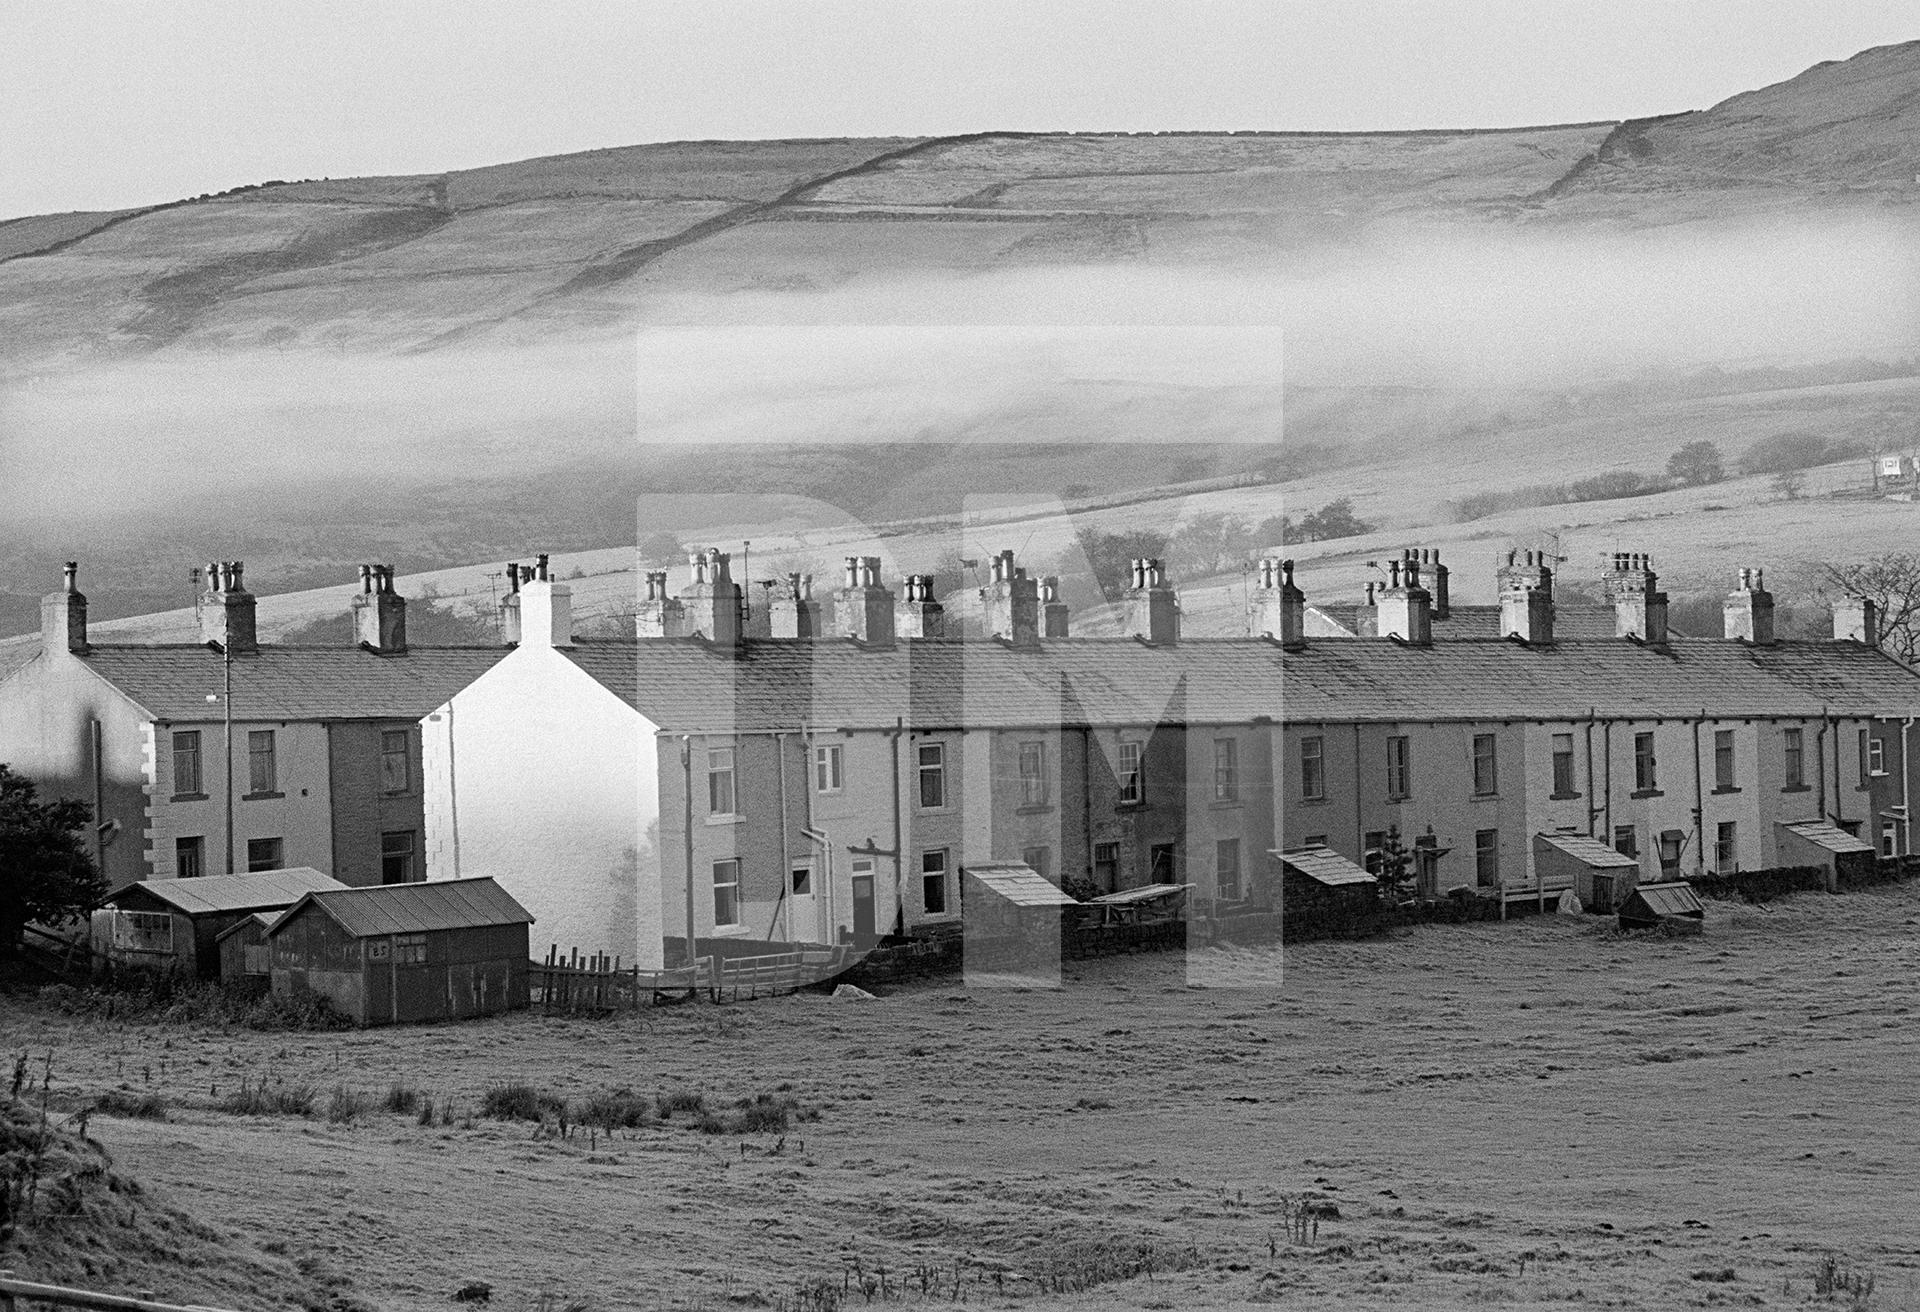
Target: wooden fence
<point x="600" y="983"/>
<point x="16" y="1294"/>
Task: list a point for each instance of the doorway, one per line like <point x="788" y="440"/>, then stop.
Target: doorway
<point x="863" y="914"/>
<point x="803" y="905"/>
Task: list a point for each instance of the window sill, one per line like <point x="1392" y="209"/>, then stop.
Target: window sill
<point x="1486" y="797"/>
<point x="1797" y="788"/>
<point x="1879" y="774"/>
<point x="1726" y="788"/>
<point x="1037" y="808"/>
<point x="1134" y="805"/>
<point x="188" y="797"/>
<point x="1564" y="797"/>
<point x="260" y="797"/>
<point x="721" y="821"/>
<point x="1638" y="793"/>
<point x="1231" y="804"/>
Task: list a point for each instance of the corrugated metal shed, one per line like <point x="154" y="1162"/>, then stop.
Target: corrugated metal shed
<point x="1590" y="851"/>
<point x="222" y="894"/>
<point x="418" y="908"/>
<point x="1020" y="884"/>
<point x="1323" y="865"/>
<point x="1831" y="837"/>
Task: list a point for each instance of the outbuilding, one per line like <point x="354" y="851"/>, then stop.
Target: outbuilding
<point x="442" y="950"/>
<point x="1819" y="843"/>
<point x="175" y="924"/>
<point x="1322" y="891"/>
<point x="1601" y="877"/>
<point x="1672" y="906"/>
<point x="245" y="955"/>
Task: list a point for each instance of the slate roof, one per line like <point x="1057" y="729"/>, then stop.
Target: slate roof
<point x="215" y="894"/>
<point x="416" y="908"/>
<point x="1019" y="884"/>
<point x="172" y="682"/>
<point x="1468" y="621"/>
<point x="1325" y="866"/>
<point x="1830" y="836"/>
<point x="264" y="919"/>
<point x="686" y="685"/>
<point x="1590" y="852"/>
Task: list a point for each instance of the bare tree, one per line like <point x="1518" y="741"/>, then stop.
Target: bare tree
<point x="1789" y="482"/>
<point x="1892" y="583"/>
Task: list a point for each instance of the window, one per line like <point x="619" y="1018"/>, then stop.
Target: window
<point x="1796" y="754"/>
<point x="1486" y="773"/>
<point x="1626" y="840"/>
<point x="1724" y="849"/>
<point x="1373" y="858"/>
<point x="409" y="949"/>
<point x="1876" y="753"/>
<point x="1161" y="862"/>
<point x="720" y="799"/>
<point x="1226" y="770"/>
<point x="1035" y="859"/>
<point x="263" y="854"/>
<point x="189" y="856"/>
<point x="1723" y="758"/>
<point x="1486" y="857"/>
<point x="802" y="877"/>
<point x="1563" y="781"/>
<point x="1106" y="865"/>
<point x="396" y="858"/>
<point x="1313" y="768"/>
<point x="933" y="776"/>
<point x="726" y="892"/>
<point x="1644" y="775"/>
<point x="1226" y="869"/>
<point x="1889" y="838"/>
<point x="826" y="769"/>
<point x="933" y="881"/>
<point x="1132" y="784"/>
<point x="262" y="775"/>
<point x="1033" y="774"/>
<point x="1399" y="780"/>
<point x="186" y="763"/>
<point x="395" y="773"/>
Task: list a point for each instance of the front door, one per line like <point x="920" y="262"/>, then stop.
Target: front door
<point x="863" y="930"/>
<point x="1426" y="870"/>
<point x="803" y="906"/>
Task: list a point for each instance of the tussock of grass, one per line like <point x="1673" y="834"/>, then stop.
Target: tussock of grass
<point x="619" y="1109"/>
<point x="521" y="1102"/>
<point x="401" y="1100"/>
<point x="345" y="1106"/>
<point x="680" y="1100"/>
<point x="265" y="1099"/>
<point x="130" y="1105"/>
<point x="764" y="1113"/>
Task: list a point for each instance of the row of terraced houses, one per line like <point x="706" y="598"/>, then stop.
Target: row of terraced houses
<point x="825" y="770"/>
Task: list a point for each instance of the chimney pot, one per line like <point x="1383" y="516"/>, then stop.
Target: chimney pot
<point x="63" y="614"/>
<point x="379" y="613"/>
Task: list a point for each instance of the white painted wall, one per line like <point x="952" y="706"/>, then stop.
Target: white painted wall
<point x="537" y="776"/>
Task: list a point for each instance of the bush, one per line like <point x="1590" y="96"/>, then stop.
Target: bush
<point x="132" y="1106"/>
<point x="764" y="1113"/>
<point x="618" y="1109"/>
<point x="520" y="1102"/>
<point x="170" y="1000"/>
<point x="680" y="1100"/>
<point x="345" y="1106"/>
<point x="1787" y="451"/>
<point x="269" y="1100"/>
<point x="400" y="1099"/>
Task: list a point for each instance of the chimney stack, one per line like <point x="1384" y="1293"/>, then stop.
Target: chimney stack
<point x="63" y="615"/>
<point x="1151" y="608"/>
<point x="863" y="609"/>
<point x="1749" y="610"/>
<point x="1011" y="604"/>
<point x="1435" y="576"/>
<point x="656" y="614"/>
<point x="1526" y="597"/>
<point x="1855" y="619"/>
<point x="1053" y="611"/>
<point x="1277" y="609"/>
<point x="710" y="604"/>
<point x="918" y="614"/>
<point x="226" y="608"/>
<point x="379" y="613"/>
<point x="1639" y="607"/>
<point x="1404" y="609"/>
<point x="546" y="609"/>
<point x="793" y="613"/>
<point x="510" y="607"/>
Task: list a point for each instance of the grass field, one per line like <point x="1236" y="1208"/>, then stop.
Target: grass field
<point x="1526" y="1114"/>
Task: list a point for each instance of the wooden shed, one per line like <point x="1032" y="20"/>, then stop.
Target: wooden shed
<point x="175" y="924"/>
<point x="1674" y="906"/>
<point x="1322" y="891"/>
<point x="1601" y="877"/>
<point x="1818" y="843"/>
<point x="245" y="956"/>
<point x="442" y="950"/>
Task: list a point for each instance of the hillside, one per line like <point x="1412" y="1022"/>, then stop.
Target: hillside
<point x="441" y="369"/>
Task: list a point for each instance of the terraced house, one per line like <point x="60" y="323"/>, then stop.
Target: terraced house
<point x="231" y="755"/>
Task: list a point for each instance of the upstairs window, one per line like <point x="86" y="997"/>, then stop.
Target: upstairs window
<point x="1723" y="758"/>
<point x="1796" y="758"/>
<point x="263" y="772"/>
<point x="933" y="776"/>
<point x="1876" y="753"/>
<point x="1486" y="773"/>
<point x="186" y="763"/>
<point x="1033" y="774"/>
<point x="1132" y="784"/>
<point x="1644" y="775"/>
<point x="827" y="764"/>
<point x="720" y="790"/>
<point x="1226" y="770"/>
<point x="1563" y="780"/>
<point x="1313" y="768"/>
<point x="396" y="775"/>
<point x="1399" y="768"/>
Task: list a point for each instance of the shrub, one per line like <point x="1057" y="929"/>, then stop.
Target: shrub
<point x="618" y="1109"/>
<point x="345" y="1106"/>
<point x="680" y="1100"/>
<point x="1786" y="451"/>
<point x="520" y="1102"/>
<point x="168" y="1000"/>
<point x="131" y="1105"/>
<point x="400" y="1099"/>
<point x="764" y="1113"/>
<point x="264" y="1099"/>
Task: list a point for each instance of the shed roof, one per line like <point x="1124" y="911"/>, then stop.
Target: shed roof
<point x="173" y="681"/>
<point x="1019" y="884"/>
<point x="1145" y="893"/>
<point x="416" y="908"/>
<point x="263" y="919"/>
<point x="1589" y="852"/>
<point x="215" y="894"/>
<point x="1325" y="866"/>
<point x="1830" y="836"/>
<point x="1675" y="899"/>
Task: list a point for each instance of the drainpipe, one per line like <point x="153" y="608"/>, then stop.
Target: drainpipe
<point x="899" y="904"/>
<point x="1593" y="812"/>
<point x="1839" y="811"/>
<point x="1086" y="799"/>
<point x="1606" y="752"/>
<point x="453" y="794"/>
<point x="1359" y="821"/>
<point x="686" y="806"/>
<point x="1699" y="800"/>
<point x="1820" y="761"/>
<point x="226" y="700"/>
<point x="1906" y="795"/>
<point x="783" y="909"/>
